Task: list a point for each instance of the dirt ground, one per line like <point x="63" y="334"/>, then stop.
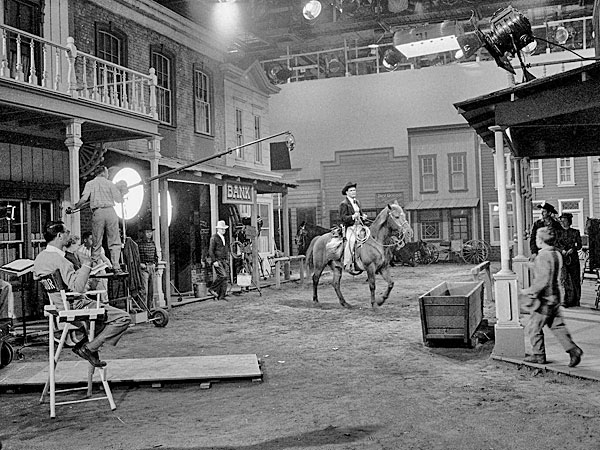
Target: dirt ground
<point x="333" y="379"/>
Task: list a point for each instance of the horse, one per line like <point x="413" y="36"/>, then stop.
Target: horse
<point x="410" y="253"/>
<point x="371" y="255"/>
<point x="306" y="233"/>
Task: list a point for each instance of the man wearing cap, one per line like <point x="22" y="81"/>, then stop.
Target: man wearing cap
<point x="546" y="294"/>
<point x="351" y="216"/>
<point x="571" y="244"/>
<point x="219" y="254"/>
<point x="547" y="220"/>
<point x="148" y="262"/>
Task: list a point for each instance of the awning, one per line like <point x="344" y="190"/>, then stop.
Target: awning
<point x="442" y="204"/>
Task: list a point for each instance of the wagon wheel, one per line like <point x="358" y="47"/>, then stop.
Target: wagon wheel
<point x="433" y="254"/>
<point x="90" y="156"/>
<point x="475" y="251"/>
<point x="583" y="253"/>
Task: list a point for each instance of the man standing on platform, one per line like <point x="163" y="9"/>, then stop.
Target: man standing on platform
<point x="103" y="194"/>
<point x="148" y="262"/>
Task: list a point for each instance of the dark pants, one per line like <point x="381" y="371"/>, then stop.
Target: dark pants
<point x="220" y="279"/>
<point x="573" y="284"/>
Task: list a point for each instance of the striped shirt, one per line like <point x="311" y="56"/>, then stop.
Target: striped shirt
<point x="102" y="193"/>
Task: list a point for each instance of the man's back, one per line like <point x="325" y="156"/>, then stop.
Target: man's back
<point x="102" y="192"/>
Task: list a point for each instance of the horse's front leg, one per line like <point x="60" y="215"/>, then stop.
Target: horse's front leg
<point x="371" y="279"/>
<point x="337" y="270"/>
<point x="385" y="273"/>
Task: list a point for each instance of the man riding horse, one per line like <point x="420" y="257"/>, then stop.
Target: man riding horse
<point x="351" y="217"/>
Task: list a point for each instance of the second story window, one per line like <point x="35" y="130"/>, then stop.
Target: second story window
<point x="239" y="132"/>
<point x="535" y="169"/>
<point x="164" y="91"/>
<point x="203" y="122"/>
<point x="457" y="171"/>
<point x="109" y="47"/>
<point x="565" y="171"/>
<point x="258" y="147"/>
<point x="428" y="173"/>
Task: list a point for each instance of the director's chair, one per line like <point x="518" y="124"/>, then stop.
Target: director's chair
<point x="53" y="284"/>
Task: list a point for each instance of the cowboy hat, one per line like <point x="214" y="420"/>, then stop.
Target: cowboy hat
<point x="222" y="225"/>
<point x="548" y="207"/>
<point x="348" y="186"/>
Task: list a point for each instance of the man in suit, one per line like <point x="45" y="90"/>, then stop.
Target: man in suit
<point x="219" y="254"/>
<point x="351" y="217"/>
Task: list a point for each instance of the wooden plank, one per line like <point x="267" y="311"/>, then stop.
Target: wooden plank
<point x="146" y="370"/>
<point x="446" y="322"/>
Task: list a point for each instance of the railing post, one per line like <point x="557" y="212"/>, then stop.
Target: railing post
<point x="19" y="65"/>
<point x="32" y="78"/>
<point x="153" y="82"/>
<point x="4" y="71"/>
<point x="71" y="75"/>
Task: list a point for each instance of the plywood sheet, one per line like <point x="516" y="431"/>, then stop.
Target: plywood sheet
<point x="145" y="370"/>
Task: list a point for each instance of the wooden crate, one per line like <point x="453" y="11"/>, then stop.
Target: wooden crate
<point x="451" y="310"/>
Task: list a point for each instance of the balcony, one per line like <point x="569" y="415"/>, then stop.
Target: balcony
<point x="44" y="85"/>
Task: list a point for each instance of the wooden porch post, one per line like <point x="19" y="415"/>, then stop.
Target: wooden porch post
<point x="285" y="229"/>
<point x="520" y="261"/>
<point x="510" y="336"/>
<point x="73" y="142"/>
<point x="154" y="151"/>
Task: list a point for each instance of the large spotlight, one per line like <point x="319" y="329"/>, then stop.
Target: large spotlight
<point x="312" y="9"/>
<point x="134" y="199"/>
<point x="278" y="73"/>
<point x="391" y="59"/>
<point x="561" y="36"/>
<point x="510" y="34"/>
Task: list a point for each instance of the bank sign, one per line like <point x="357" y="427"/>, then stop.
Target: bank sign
<point x="238" y="193"/>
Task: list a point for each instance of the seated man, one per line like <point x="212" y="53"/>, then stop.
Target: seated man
<point x="52" y="260"/>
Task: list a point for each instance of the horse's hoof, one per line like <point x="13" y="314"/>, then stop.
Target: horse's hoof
<point x="347" y="305"/>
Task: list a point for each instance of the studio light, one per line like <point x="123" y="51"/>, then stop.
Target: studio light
<point x="391" y="59"/>
<point x="509" y="35"/>
<point x="134" y="199"/>
<point x="562" y="35"/>
<point x="278" y="73"/>
<point x="312" y="9"/>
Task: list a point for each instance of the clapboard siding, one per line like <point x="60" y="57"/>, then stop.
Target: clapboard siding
<point x="552" y="192"/>
<point x="24" y="164"/>
<point x="488" y="187"/>
<point x="376" y="171"/>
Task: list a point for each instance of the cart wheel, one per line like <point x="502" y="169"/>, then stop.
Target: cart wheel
<point x="159" y="317"/>
<point x="433" y="254"/>
<point x="475" y="251"/>
<point x="6" y="354"/>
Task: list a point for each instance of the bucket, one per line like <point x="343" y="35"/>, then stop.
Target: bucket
<point x="244" y="279"/>
<point x="200" y="289"/>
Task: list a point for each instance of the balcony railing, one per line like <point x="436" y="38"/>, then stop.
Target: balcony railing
<point x="31" y="60"/>
<point x="351" y="60"/>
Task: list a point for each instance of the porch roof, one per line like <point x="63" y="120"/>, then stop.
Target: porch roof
<point x="555" y="116"/>
<point x="442" y="204"/>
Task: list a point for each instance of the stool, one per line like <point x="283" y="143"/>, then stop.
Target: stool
<point x="68" y="317"/>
